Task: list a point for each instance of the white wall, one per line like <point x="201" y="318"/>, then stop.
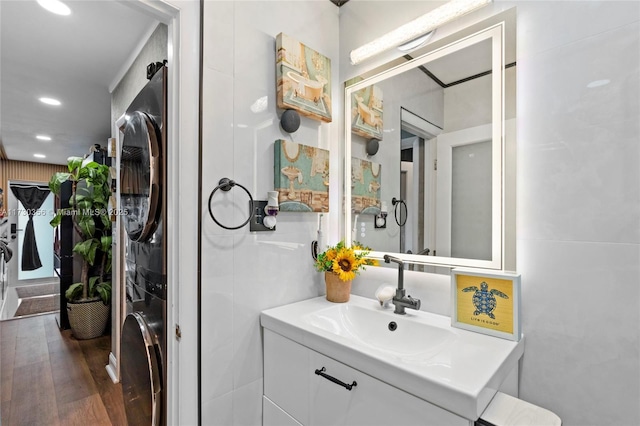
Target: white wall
<point x="578" y="205"/>
<point x="578" y="208"/>
<point x="244" y="273"/>
<point x="153" y="50"/>
<point x="416" y="92"/>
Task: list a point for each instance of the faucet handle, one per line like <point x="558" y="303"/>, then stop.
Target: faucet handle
<point x="388" y="258"/>
<point x="415" y="302"/>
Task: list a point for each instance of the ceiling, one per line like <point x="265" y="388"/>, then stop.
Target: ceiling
<point x="77" y="59"/>
<point x="74" y="59"/>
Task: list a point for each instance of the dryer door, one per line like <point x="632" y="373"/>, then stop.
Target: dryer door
<point x="140" y="175"/>
<point x="141" y="371"/>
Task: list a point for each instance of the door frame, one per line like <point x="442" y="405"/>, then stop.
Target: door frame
<point x="183" y="19"/>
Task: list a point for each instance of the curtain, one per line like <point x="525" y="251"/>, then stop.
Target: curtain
<point x="31" y="198"/>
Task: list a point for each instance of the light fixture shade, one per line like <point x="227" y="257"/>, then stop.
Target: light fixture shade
<point x="414" y="29"/>
<point x="416" y="42"/>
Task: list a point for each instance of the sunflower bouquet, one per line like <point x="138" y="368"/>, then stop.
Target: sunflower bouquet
<point x="346" y="262"/>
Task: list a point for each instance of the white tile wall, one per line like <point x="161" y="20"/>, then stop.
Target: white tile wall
<point x="244" y="273"/>
<point x="218" y="411"/>
<point x="579" y="209"/>
<point x="580" y="316"/>
<point x="247" y="404"/>
<point x="587" y="150"/>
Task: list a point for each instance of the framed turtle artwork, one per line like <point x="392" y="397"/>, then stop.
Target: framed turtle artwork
<point x="486" y="302"/>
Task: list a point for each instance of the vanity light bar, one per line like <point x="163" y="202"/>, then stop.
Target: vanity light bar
<point x="414" y="29"/>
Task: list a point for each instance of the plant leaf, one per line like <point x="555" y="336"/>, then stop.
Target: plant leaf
<point x="105" y="244"/>
<point x="87" y="225"/>
<point x="73" y="292"/>
<point x="56" y="219"/>
<point x="106" y="221"/>
<point x="83" y="205"/>
<point x="73" y="163"/>
<point x="56" y="181"/>
<point x="104" y="289"/>
<point x="84" y="190"/>
<point x="87" y="249"/>
<point x="91" y="255"/>
<point x="77" y="198"/>
<point x="92" y="283"/>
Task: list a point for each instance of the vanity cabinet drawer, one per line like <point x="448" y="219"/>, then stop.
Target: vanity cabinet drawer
<point x="292" y="385"/>
<point x="369" y="402"/>
<point x="286" y="378"/>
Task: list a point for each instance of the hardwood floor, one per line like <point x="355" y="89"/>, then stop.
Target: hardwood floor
<point x="48" y="377"/>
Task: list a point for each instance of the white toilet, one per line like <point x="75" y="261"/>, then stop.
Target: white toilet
<point x="505" y="410"/>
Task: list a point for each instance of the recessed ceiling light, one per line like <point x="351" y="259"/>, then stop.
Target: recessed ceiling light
<point x="50" y="101"/>
<point x="598" y="83"/>
<point x="55" y="6"/>
<point x="39" y="155"/>
<point x="43" y="138"/>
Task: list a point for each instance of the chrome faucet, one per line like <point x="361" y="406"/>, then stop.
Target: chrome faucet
<point x="401" y="301"/>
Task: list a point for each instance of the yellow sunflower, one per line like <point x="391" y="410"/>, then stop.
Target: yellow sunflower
<point x="331" y="254"/>
<point x="370" y="262"/>
<point x="345" y="265"/>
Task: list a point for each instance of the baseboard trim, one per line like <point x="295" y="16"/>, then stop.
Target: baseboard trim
<point x="112" y="368"/>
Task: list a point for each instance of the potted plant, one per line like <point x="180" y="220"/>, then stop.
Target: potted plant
<point x="88" y="300"/>
<point x="341" y="264"/>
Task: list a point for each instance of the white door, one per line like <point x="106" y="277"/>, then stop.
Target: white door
<point x="44" y="239"/>
<point x="464" y="194"/>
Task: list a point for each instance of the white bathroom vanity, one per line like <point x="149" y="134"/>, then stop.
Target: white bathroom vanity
<point x="357" y="363"/>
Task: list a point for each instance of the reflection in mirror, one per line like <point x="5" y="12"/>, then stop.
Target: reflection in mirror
<point x="441" y="134"/>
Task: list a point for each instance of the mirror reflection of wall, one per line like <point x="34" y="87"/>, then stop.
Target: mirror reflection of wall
<point x="411" y="91"/>
<point x="444" y="96"/>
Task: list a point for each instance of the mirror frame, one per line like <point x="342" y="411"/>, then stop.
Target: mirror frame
<point x="495" y="28"/>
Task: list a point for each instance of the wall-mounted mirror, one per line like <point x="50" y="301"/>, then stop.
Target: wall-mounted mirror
<point x="441" y="188"/>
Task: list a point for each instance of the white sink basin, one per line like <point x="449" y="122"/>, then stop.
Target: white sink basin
<point x="396" y="335"/>
<point x="456" y="369"/>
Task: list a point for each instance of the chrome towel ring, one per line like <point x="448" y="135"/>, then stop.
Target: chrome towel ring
<point x="397" y="203"/>
<point x="226" y="184"/>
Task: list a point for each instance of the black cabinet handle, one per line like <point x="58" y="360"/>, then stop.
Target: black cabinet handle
<point x="321" y="372"/>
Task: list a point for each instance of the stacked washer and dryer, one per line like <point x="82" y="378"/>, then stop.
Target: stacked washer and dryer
<point x="143" y="212"/>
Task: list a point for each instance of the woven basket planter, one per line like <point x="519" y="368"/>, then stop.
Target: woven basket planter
<point x="88" y="319"/>
<point x="338" y="291"/>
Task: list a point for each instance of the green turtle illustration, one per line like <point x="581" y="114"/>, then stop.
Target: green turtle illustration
<point x="484" y="299"/>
